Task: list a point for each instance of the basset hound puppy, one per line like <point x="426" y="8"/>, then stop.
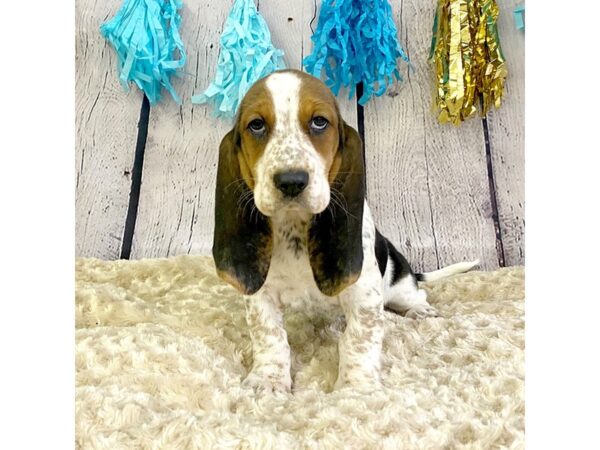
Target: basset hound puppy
<point x="292" y="225"/>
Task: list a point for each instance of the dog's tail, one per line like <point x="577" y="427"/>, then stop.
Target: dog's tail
<point x="444" y="272"/>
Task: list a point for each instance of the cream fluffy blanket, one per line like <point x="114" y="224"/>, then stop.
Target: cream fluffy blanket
<point x="162" y="347"/>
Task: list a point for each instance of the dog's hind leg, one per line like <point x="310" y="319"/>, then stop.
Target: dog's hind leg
<point x="401" y="291"/>
<point x="404" y="297"/>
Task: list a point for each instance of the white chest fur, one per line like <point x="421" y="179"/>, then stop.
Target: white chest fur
<point x="290" y="275"/>
<point x="290" y="278"/>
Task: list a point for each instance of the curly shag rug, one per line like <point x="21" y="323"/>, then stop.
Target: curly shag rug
<point x="162" y="348"/>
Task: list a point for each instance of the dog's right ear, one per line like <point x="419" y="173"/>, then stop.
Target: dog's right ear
<point x="242" y="242"/>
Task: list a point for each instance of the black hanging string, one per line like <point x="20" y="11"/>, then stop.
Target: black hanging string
<point x="136" y="179"/>
<point x="313" y="17"/>
<point x="492" y="188"/>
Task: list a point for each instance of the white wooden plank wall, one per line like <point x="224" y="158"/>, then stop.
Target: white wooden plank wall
<point x="428" y="184"/>
<point x="106" y="130"/>
<point x="507" y="140"/>
<point x="175" y="212"/>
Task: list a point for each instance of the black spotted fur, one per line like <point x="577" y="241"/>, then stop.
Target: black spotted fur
<point x="384" y="249"/>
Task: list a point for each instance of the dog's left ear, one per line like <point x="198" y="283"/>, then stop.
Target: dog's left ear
<point x="335" y="235"/>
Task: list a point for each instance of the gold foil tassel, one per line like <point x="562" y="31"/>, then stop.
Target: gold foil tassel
<point x="468" y="61"/>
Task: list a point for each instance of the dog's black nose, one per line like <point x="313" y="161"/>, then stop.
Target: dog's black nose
<point x="291" y="183"/>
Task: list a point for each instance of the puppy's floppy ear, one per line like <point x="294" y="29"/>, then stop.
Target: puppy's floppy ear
<point x="242" y="241"/>
<point x="335" y="235"/>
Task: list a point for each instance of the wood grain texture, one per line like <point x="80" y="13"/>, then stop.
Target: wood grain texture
<point x="291" y="31"/>
<point x="106" y="130"/>
<point x="427" y="182"/>
<point x="507" y="139"/>
<point x="176" y="209"/>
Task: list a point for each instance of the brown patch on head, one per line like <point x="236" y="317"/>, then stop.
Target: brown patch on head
<point x="316" y="99"/>
<point x="256" y="104"/>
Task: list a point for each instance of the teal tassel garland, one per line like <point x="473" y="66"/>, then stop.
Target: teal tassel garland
<point x="246" y="55"/>
<point x="356" y="42"/>
<point x="145" y="35"/>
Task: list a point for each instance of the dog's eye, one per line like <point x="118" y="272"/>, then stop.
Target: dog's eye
<point x="257" y="126"/>
<point x="318" y="123"/>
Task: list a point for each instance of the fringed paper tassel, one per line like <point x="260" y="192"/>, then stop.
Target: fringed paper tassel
<point x="246" y="55"/>
<point x="356" y="42"/>
<point x="519" y="16"/>
<point x="145" y="35"/>
<point x="469" y="64"/>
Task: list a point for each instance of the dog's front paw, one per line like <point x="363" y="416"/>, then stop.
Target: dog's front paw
<point x="262" y="382"/>
<point x="360" y="380"/>
<point x="422" y="312"/>
<point x="361" y="385"/>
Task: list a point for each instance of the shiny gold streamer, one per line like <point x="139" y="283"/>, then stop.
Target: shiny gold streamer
<point x="468" y="61"/>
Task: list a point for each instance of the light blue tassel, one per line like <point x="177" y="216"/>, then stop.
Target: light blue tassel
<point x="519" y="16"/>
<point x="145" y="35"/>
<point x="356" y="41"/>
<point x="246" y="55"/>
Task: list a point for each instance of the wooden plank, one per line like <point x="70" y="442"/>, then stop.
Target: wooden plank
<point x="427" y="183"/>
<point x="507" y="139"/>
<point x="106" y="130"/>
<point x="290" y="31"/>
<point x="176" y="210"/>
